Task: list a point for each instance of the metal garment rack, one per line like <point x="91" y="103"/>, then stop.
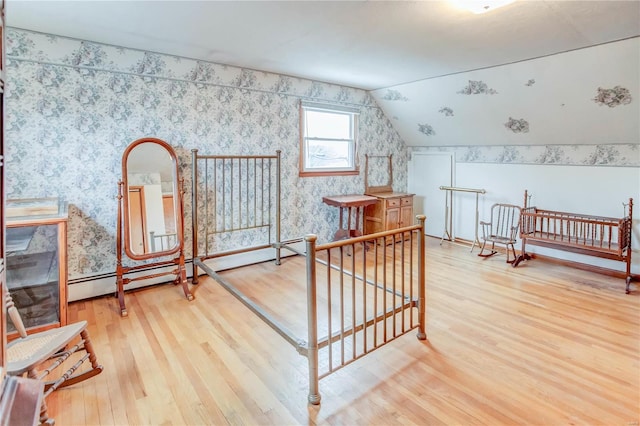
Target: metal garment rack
<point x="448" y="212"/>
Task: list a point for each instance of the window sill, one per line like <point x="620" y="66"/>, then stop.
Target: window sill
<point x="341" y="173"/>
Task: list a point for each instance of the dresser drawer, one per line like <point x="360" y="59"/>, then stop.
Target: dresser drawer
<point x="393" y="202"/>
<point x="406" y="201"/>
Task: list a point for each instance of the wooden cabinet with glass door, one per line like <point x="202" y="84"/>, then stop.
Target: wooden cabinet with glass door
<point x="36" y="262"/>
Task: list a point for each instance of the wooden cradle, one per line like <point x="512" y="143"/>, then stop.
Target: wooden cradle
<point x="603" y="237"/>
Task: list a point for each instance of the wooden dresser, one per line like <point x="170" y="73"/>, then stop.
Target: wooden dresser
<point x="393" y="210"/>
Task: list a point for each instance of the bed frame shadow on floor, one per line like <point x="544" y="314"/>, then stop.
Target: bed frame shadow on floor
<point x="362" y="293"/>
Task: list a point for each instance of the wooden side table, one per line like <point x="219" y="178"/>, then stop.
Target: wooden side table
<point x="348" y="203"/>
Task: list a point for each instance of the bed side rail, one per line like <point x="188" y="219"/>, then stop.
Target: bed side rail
<point x="367" y="292"/>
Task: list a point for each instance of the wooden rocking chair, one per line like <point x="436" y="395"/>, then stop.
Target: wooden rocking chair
<point x="38" y="354"/>
<point x="502" y="229"/>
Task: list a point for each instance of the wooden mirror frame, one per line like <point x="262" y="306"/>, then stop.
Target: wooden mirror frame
<point x="177" y="194"/>
<point x="123" y="233"/>
<point x="369" y="190"/>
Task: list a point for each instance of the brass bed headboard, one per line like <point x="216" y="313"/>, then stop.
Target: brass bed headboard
<point x="244" y="196"/>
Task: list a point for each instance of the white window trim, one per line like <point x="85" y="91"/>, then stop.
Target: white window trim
<point x="354" y="115"/>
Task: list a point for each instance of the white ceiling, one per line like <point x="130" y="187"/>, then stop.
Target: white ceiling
<point x="363" y="44"/>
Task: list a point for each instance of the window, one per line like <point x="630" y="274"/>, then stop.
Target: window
<point x="328" y="135"/>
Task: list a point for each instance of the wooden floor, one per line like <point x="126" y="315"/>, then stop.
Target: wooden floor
<point x="541" y="344"/>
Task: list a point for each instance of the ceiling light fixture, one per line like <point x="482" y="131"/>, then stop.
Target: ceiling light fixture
<point x="480" y="6"/>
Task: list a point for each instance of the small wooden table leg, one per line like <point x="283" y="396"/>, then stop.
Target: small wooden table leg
<point x="341" y="233"/>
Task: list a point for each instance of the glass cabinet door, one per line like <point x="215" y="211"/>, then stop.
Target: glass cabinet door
<point x="32" y="274"/>
<point x="36" y="269"/>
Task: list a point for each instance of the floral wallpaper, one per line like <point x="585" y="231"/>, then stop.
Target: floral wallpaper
<point x="73" y="106"/>
<point x="619" y="155"/>
<point x="394" y="95"/>
<point x="446" y="111"/>
<point x="517" y="125"/>
<point x="138" y="179"/>
<point x="426" y="129"/>
<point x="477" y="87"/>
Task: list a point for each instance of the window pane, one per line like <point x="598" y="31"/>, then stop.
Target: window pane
<point x="328" y="154"/>
<point x="328" y="125"/>
<point x="327" y="140"/>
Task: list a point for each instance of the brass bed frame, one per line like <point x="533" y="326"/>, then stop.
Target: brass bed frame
<point x="369" y="292"/>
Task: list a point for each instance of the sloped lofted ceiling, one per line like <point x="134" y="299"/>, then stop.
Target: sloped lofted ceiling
<point x="364" y="44"/>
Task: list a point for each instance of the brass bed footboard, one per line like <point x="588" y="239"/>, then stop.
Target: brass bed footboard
<point x="386" y="299"/>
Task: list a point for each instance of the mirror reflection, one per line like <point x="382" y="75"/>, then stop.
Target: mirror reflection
<point x="152" y="195"/>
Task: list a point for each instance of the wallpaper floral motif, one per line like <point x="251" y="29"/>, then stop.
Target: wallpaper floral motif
<point x="394" y="95"/>
<point x="72" y="107"/>
<point x="613" y="97"/>
<point x="448" y="112"/>
<point x="426" y="129"/>
<point x="517" y="125"/>
<point x="477" y="87"/>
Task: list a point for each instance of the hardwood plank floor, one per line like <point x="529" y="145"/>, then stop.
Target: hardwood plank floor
<point x="541" y="344"/>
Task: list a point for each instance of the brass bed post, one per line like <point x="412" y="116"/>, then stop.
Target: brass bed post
<point x="278" y="196"/>
<point x="194" y="215"/>
<point x="422" y="299"/>
<point x="312" y="321"/>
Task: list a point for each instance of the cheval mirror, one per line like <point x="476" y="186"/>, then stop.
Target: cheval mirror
<point x="150" y="215"/>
